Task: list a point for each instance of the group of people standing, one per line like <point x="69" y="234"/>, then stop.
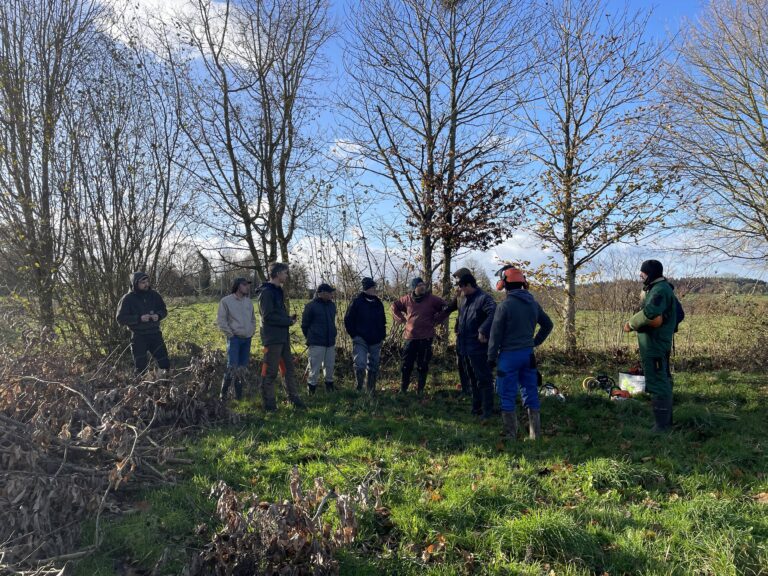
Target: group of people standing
<point x="489" y="337"/>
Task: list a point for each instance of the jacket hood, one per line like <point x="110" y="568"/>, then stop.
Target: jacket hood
<point x="135" y="277"/>
<point x="521" y="294"/>
<point x="266" y="287"/>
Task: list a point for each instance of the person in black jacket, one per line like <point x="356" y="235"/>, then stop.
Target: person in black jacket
<point x="141" y="310"/>
<point x="318" y="324"/>
<point x="473" y="326"/>
<point x="275" y="338"/>
<point x="366" y="324"/>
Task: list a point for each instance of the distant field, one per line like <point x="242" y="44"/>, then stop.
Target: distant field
<point x="716" y="334"/>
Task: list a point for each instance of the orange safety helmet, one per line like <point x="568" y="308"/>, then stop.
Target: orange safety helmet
<point x="510" y="274"/>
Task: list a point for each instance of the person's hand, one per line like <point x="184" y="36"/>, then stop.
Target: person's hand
<point x="155" y="317"/>
<point x="293" y="319"/>
<point x="627" y="327"/>
<point x="482" y="338"/>
<point x="146" y="317"/>
<point x="491" y="364"/>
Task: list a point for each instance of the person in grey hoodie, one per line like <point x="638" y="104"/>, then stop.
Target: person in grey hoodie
<point x="275" y="337"/>
<point x="318" y="324"/>
<point x="141" y="310"/>
<point x="511" y="344"/>
<point x="237" y="320"/>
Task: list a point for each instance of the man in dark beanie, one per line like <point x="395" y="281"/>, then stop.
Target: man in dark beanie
<point x="318" y="324"/>
<point x="366" y="324"/>
<point x="655" y="325"/>
<point x="141" y="310"/>
<point x="421" y="312"/>
<point x="473" y="326"/>
<point x="513" y="339"/>
<point x="237" y="320"/>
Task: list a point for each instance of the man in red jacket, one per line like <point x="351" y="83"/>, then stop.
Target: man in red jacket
<point x="420" y="311"/>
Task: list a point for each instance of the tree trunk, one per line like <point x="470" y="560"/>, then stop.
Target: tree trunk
<point x="570" y="304"/>
<point x="426" y="255"/>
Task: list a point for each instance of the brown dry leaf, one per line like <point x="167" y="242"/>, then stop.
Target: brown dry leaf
<point x="761" y="498"/>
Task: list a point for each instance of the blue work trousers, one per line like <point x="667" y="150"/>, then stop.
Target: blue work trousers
<point x="517" y="369"/>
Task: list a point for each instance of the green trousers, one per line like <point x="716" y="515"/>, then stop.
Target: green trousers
<point x="658" y="377"/>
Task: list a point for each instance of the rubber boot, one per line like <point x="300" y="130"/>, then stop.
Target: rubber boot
<point x="371" y="384"/>
<point x="662" y="414"/>
<point x="509" y="425"/>
<point x="360" y="379"/>
<point x="297" y="402"/>
<point x="311" y="389"/>
<point x="238" y="381"/>
<point x="226" y="381"/>
<point x="486" y="394"/>
<point x="422" y="382"/>
<point x="329" y="387"/>
<point x="534" y="424"/>
<point x="405" y="383"/>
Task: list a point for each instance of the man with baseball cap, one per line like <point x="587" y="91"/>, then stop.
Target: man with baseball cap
<point x="141" y="310"/>
<point x="237" y="320"/>
<point x="318" y="324"/>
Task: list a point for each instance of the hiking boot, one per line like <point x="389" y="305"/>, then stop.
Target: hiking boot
<point x="359" y="379"/>
<point x="509" y="425"/>
<point x="311" y="389"/>
<point x="534" y="424"/>
<point x="329" y="387"/>
<point x="662" y="414"/>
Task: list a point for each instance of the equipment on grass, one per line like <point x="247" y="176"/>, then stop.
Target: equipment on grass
<point x="549" y="389"/>
<point x="603" y="382"/>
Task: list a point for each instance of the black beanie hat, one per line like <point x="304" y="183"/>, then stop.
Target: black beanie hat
<point x="653" y="269"/>
<point x="368" y="283"/>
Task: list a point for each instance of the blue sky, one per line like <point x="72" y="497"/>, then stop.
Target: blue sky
<point x="665" y="20"/>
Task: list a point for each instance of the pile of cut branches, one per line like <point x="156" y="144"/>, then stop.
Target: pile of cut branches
<point x="71" y="442"/>
<point x="263" y="538"/>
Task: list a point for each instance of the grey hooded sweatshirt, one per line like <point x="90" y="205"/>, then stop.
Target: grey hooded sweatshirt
<point x="514" y="324"/>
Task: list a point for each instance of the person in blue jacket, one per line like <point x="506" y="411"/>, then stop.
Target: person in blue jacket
<point x="513" y="338"/>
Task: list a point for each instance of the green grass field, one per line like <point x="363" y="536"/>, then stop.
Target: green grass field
<point x="598" y="495"/>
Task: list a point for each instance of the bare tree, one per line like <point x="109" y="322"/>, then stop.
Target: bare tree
<point x="719" y="135"/>
<point x="429" y="93"/>
<point x="43" y="43"/>
<point x="592" y="136"/>
<point x="130" y="202"/>
<point x="245" y="93"/>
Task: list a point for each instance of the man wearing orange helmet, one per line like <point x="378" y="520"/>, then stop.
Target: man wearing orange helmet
<point x="513" y="338"/>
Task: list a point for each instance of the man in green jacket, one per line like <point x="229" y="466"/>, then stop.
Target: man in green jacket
<point x="275" y="324"/>
<point x="655" y="326"/>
